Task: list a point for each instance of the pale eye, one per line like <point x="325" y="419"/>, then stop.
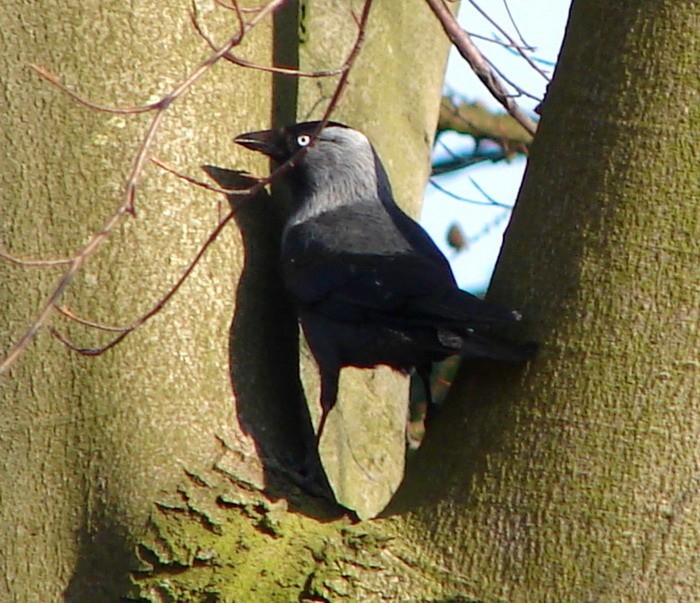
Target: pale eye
<point x="303" y="140"/>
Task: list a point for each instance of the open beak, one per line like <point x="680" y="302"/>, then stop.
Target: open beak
<point x="267" y="142"/>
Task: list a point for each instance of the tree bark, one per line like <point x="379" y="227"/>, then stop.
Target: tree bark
<point x="576" y="478"/>
<point x="88" y="444"/>
<point x="115" y="469"/>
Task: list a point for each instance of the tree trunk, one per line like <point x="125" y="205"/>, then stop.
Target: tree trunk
<point x="577" y="477"/>
<point x="88" y="444"/>
<point x="574" y="478"/>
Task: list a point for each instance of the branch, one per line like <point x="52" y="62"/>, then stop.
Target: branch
<point x="126" y="205"/>
<point x="229" y="56"/>
<point x="477" y="121"/>
<point x="519" y="49"/>
<point x="479" y="65"/>
<point x="32" y="263"/>
<point x="248" y="193"/>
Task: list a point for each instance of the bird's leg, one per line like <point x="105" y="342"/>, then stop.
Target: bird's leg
<point x="315" y="474"/>
<point x="423" y="371"/>
<point x="329" y="397"/>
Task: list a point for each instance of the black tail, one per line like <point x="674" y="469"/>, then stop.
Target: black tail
<point x="481" y="346"/>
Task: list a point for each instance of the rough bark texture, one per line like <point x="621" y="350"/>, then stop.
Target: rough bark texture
<point x="576" y="479"/>
<point x="87" y="444"/>
<point x="573" y="479"/>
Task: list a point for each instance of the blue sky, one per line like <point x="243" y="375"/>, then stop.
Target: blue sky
<point x="542" y="24"/>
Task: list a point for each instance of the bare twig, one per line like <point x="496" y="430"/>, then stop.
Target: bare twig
<point x="495" y="40"/>
<point x="232" y="58"/>
<point x="520" y="91"/>
<point x="163" y="300"/>
<point x="523" y="43"/>
<point x="68" y="313"/>
<point x="235" y="7"/>
<point x="514" y="44"/>
<point x="126" y="205"/>
<point x="200" y="183"/>
<point x="359" y="41"/>
<point x="33" y="263"/>
<point x="491" y="202"/>
<point x="251" y="192"/>
<point x="52" y="79"/>
<point x="477" y="121"/>
<point x="490" y="199"/>
<point x="481" y="68"/>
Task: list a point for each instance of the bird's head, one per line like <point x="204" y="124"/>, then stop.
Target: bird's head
<point x="335" y="158"/>
<point x="283" y="143"/>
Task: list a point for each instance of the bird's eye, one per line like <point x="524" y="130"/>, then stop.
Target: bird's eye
<point x="303" y="140"/>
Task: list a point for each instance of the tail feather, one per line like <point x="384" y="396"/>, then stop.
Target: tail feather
<point x="475" y="345"/>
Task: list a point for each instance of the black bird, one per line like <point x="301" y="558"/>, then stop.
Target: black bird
<point x="370" y="285"/>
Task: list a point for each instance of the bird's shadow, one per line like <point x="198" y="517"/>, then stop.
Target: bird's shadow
<point x="264" y="351"/>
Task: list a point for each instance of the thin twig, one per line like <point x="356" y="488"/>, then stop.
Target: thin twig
<point x="52" y="79"/>
<point x="495" y="40"/>
<point x="440" y="168"/>
<point x="251" y="192"/>
<point x="162" y="301"/>
<point x="343" y="80"/>
<point x="232" y="58"/>
<point x="490" y="203"/>
<point x="520" y="91"/>
<point x="33" y="263"/>
<point x="516" y="46"/>
<point x="524" y="44"/>
<point x="126" y="206"/>
<point x="201" y="183"/>
<point x="235" y="7"/>
<point x="481" y="68"/>
<point x="68" y="313"/>
<point x="491" y="200"/>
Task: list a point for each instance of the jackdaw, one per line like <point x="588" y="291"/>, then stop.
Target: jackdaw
<point x="369" y="284"/>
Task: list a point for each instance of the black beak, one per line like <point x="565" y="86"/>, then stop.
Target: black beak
<point x="267" y="142"/>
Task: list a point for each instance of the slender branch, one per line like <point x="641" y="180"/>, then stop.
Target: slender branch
<point x="249" y="193"/>
<point x="514" y="44"/>
<point x="33" y="263"/>
<point x="490" y="199"/>
<point x="200" y="183"/>
<point x="523" y="43"/>
<point x="126" y="206"/>
<point x="440" y="168"/>
<point x="53" y="79"/>
<point x="163" y="300"/>
<point x="495" y="40"/>
<point x="232" y="58"/>
<point x="491" y="202"/>
<point x="68" y="313"/>
<point x="354" y="52"/>
<point x="481" y="68"/>
<point x="519" y="89"/>
<point x="236" y="8"/>
<point x="477" y="121"/>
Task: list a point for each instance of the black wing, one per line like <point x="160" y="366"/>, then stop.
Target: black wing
<point x="375" y="274"/>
